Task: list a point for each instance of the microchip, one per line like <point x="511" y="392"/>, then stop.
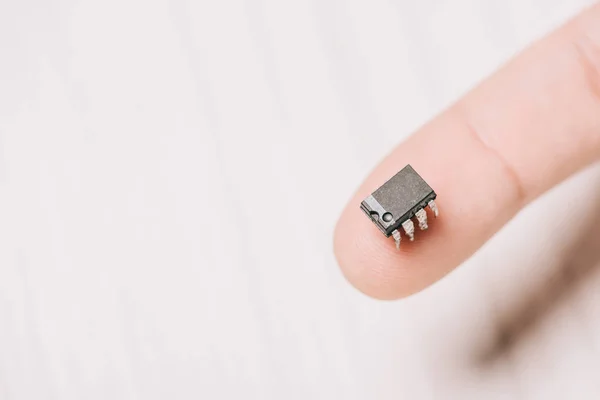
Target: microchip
<point x="403" y="197"/>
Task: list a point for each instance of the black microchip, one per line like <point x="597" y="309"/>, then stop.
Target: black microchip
<point x="398" y="200"/>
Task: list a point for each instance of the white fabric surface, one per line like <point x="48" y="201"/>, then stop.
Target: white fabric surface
<point x="170" y="175"/>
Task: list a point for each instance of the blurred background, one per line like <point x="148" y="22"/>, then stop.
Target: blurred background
<point x="170" y="175"/>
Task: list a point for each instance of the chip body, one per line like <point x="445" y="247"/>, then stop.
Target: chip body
<point x="401" y="198"/>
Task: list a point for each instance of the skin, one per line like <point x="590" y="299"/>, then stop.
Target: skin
<point x="521" y="132"/>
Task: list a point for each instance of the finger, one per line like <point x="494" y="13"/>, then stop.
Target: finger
<point x="521" y="132"/>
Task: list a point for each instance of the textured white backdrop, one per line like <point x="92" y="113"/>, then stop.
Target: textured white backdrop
<point x="170" y="175"/>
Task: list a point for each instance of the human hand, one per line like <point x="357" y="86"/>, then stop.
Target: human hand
<point x="521" y="132"/>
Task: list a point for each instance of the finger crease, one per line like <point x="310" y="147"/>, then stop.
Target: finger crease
<point x="509" y="170"/>
<point x="588" y="52"/>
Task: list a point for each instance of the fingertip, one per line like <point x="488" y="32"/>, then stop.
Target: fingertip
<point x="371" y="262"/>
<point x="475" y="197"/>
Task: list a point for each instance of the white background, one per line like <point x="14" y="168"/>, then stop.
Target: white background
<point x="170" y="175"/>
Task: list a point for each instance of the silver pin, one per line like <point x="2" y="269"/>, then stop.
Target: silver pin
<point x="397" y="238"/>
<point x="434" y="208"/>
<point x="422" y="219"/>
<point x="409" y="228"/>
